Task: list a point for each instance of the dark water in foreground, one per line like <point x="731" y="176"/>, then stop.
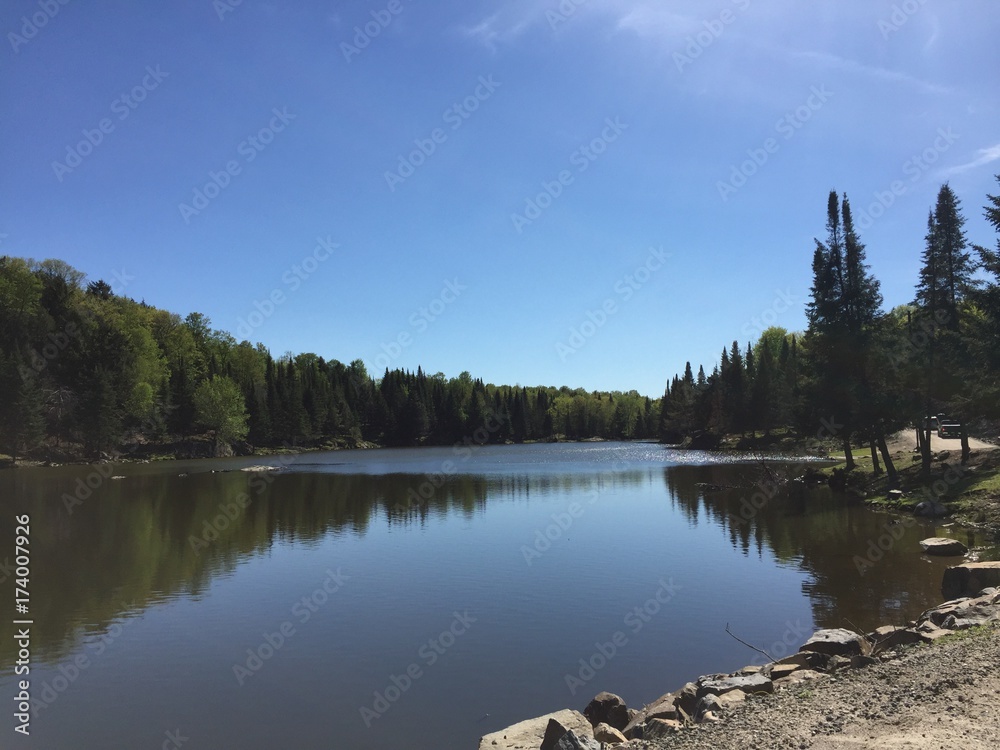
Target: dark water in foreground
<point x="417" y="598"/>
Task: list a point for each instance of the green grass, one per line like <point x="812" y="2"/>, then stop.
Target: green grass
<point x="977" y="631"/>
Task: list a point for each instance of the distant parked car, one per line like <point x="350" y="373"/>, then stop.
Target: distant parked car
<point x="931" y="423"/>
<point x="949" y="429"/>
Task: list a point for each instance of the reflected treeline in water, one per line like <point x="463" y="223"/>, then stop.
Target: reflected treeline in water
<point x="864" y="567"/>
<point x="105" y="553"/>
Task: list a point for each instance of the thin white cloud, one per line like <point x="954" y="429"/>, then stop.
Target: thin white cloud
<point x="853" y="66"/>
<point x="985" y="156"/>
<point x="505" y="25"/>
<point x="639" y="16"/>
<point x="647" y="20"/>
<point x="935" y="32"/>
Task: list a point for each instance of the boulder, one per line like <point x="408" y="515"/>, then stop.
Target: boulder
<point x="609" y="709"/>
<point x="528" y="735"/>
<point x="889" y="636"/>
<point x="717" y="704"/>
<point x="572" y="741"/>
<point x="662" y="708"/>
<point x="783" y="670"/>
<point x="929" y="509"/>
<point x="969" y="579"/>
<point x="554" y="732"/>
<point x="837" y="662"/>
<point x="753" y="683"/>
<point x="608" y="735"/>
<point x="837" y="642"/>
<point x="686" y="698"/>
<point x="965" y="613"/>
<point x="939" y="545"/>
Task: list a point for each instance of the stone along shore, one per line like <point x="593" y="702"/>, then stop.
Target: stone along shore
<point x="608" y="722"/>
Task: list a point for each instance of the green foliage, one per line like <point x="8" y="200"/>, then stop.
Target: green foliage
<point x="220" y="408"/>
<point x="106" y="370"/>
<point x="858" y="372"/>
<point x="21" y="416"/>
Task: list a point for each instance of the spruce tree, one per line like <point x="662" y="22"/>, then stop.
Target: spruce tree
<point x="944" y="284"/>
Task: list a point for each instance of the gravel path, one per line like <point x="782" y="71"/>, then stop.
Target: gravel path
<point x="946" y="696"/>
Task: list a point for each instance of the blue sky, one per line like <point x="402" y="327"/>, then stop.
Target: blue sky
<point x="578" y="193"/>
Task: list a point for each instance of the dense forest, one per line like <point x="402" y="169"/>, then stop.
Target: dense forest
<point x="859" y="373"/>
<point x="85" y="370"/>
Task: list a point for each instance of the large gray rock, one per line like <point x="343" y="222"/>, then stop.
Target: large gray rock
<point x="528" y="735"/>
<point x="753" y="683"/>
<point x="710" y="704"/>
<point x="889" y="636"/>
<point x="837" y="642"/>
<point x="966" y="613"/>
<point x="777" y="671"/>
<point x="608" y="735"/>
<point x="939" y="545"/>
<point x="572" y="741"/>
<point x="662" y="708"/>
<point x="969" y="579"/>
<point x="929" y="509"/>
<point x="686" y="698"/>
<point x="609" y="709"/>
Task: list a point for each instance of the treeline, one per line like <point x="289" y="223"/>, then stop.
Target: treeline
<point x="859" y="373"/>
<point x="82" y="367"/>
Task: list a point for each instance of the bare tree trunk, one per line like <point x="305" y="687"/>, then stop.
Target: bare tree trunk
<point x="876" y="466"/>
<point x="965" y="446"/>
<point x="890" y="467"/>
<point x="925" y="450"/>
<point x="848" y="456"/>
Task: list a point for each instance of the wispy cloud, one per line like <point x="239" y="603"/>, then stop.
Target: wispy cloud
<point x="985" y="156"/>
<point x="642" y="17"/>
<point x="505" y="25"/>
<point x="650" y="20"/>
<point x="853" y="66"/>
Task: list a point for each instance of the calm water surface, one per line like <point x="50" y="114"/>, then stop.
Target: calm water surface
<point x="418" y="598"/>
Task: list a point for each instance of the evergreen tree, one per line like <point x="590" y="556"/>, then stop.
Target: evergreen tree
<point x="984" y="337"/>
<point x="944" y="283"/>
<point x="22" y="425"/>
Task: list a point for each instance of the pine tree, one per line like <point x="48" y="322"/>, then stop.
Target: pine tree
<point x="843" y="314"/>
<point x="987" y="299"/>
<point x="944" y="284"/>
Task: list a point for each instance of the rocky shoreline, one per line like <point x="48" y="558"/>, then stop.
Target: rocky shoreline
<point x="830" y="654"/>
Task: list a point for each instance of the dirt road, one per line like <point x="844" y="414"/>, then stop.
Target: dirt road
<point x="906" y="441"/>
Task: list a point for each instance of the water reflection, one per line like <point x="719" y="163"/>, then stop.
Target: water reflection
<point x="864" y="568"/>
<point x="153" y="536"/>
<point x="156" y="535"/>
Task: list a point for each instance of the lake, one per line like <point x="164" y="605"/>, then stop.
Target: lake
<point x="420" y="598"/>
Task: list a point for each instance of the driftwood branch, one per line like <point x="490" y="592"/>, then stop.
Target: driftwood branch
<point x="858" y="630"/>
<point x="758" y="650"/>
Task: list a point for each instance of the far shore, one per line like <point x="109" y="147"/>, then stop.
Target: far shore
<point x="970" y="493"/>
